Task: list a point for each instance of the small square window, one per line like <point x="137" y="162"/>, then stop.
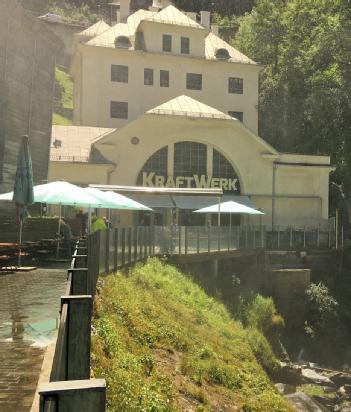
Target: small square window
<point x="235" y="85"/>
<point x="185" y="45"/>
<point x="119" y="73"/>
<point x="119" y="110"/>
<point x="167" y="43"/>
<point x="237" y="115"/>
<point x="148" y="77"/>
<point x="164" y="78"/>
<point x="194" y="81"/>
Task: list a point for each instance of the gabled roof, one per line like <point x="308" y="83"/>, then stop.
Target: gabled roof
<point x="73" y="143"/>
<point x="214" y="43"/>
<point x="171" y="15"/>
<point x="186" y="106"/>
<point x="96" y="29"/>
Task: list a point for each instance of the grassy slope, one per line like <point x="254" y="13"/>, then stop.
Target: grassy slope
<point x="163" y="345"/>
<point x="63" y="98"/>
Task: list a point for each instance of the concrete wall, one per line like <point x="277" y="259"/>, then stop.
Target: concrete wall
<point x="93" y="89"/>
<point x="27" y="74"/>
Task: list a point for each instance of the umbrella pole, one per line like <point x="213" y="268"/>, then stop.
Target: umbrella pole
<point x="20" y="242"/>
<point x="58" y="239"/>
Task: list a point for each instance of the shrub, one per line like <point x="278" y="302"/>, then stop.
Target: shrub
<point x="262" y="315"/>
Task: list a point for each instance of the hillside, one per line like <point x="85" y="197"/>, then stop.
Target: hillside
<point x="163" y="345"/>
<point x="63" y="98"/>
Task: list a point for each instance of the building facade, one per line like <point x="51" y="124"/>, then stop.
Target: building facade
<point x="153" y="57"/>
<point x="27" y="76"/>
<point x="179" y="109"/>
<point x="201" y="147"/>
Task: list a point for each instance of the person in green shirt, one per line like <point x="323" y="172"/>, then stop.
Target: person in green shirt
<point x="98" y="224"/>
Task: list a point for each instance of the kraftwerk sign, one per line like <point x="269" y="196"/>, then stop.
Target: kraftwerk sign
<point x="195" y="181"/>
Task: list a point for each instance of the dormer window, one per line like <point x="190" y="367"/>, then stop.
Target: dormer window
<point x="123" y="42"/>
<point x="222" y="54"/>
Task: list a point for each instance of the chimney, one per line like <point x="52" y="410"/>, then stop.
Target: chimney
<point x="206" y="19"/>
<point x="215" y="29"/>
<point x="124" y="10"/>
<point x="165" y="3"/>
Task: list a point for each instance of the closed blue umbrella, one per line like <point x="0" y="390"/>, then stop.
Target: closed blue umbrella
<point x="23" y="194"/>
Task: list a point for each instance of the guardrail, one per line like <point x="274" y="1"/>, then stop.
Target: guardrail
<point x="70" y="388"/>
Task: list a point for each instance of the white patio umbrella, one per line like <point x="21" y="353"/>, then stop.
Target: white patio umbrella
<point x="113" y="200"/>
<point x="62" y="194"/>
<point x="230" y="207"/>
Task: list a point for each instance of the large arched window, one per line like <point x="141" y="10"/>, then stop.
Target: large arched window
<point x="190" y="158"/>
<point x="157" y="164"/>
<point x="223" y="169"/>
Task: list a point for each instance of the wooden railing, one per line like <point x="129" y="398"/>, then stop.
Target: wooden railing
<point x="70" y="387"/>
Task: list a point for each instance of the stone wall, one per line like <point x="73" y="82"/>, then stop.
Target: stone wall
<point x="27" y="75"/>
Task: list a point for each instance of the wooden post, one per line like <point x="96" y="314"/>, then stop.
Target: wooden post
<point x="78" y="336"/>
<point x="80" y="281"/>
<point x="72" y="396"/>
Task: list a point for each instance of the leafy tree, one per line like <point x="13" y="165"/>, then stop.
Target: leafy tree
<point x="305" y="86"/>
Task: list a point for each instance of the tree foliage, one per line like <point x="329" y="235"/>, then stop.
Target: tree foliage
<point x="305" y="94"/>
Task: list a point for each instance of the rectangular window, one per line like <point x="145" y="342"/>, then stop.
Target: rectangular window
<point x="237" y="115"/>
<point x="194" y="81"/>
<point x="235" y="85"/>
<point x="164" y="78"/>
<point x="119" y="110"/>
<point x="119" y="73"/>
<point x="167" y="43"/>
<point x="148" y="77"/>
<point x="185" y="45"/>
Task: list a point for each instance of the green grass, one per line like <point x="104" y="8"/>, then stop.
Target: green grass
<point x="60" y="120"/>
<point x="63" y="108"/>
<point x="162" y="344"/>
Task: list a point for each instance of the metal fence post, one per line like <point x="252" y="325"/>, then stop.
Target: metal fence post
<point x="107" y="251"/>
<point x="239" y="234"/>
<point x="140" y="240"/>
<point x="318" y="235"/>
<point x="150" y="240"/>
<point x="145" y="242"/>
<point x="198" y="239"/>
<point x="278" y="237"/>
<point x="209" y="239"/>
<point x="291" y="237"/>
<point x="115" y="265"/>
<point x="180" y="240"/>
<point x="304" y="237"/>
<point x="135" y="254"/>
<point x="129" y="246"/>
<point x="219" y="229"/>
<point x="246" y="237"/>
<point x="186" y="239"/>
<point x="123" y="244"/>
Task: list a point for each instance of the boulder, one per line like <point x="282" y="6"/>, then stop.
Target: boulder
<point x="312" y="376"/>
<point x="285" y="389"/>
<point x="303" y="403"/>
<point x="340" y="379"/>
<point x="290" y="374"/>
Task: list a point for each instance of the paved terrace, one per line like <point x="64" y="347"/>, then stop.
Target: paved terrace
<point x="29" y="305"/>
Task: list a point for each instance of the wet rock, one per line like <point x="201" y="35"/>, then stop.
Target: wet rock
<point x="285" y="389"/>
<point x="328" y="403"/>
<point x="290" y="374"/>
<point x="303" y="403"/>
<point x="340" y="379"/>
<point x="312" y="376"/>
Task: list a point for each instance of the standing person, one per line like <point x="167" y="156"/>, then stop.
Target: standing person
<point x="66" y="233"/>
<point x="82" y="219"/>
<point x="107" y="223"/>
<point x="174" y="234"/>
<point x="98" y="223"/>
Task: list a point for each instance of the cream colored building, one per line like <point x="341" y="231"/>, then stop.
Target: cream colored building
<point x="152" y="57"/>
<point x="185" y="143"/>
<point x="157" y="100"/>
